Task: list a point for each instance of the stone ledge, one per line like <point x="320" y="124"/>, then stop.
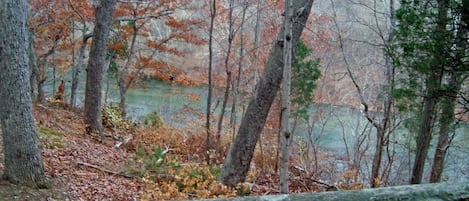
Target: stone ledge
<point x="433" y="192"/>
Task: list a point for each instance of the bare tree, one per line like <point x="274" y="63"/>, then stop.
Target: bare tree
<point x="210" y="63"/>
<point x="228" y="70"/>
<point x="382" y="126"/>
<point x="286" y="88"/>
<point x="76" y="69"/>
<point x="238" y="160"/>
<point x="240" y="69"/>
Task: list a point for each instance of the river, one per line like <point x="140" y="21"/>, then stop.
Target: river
<point x="335" y="127"/>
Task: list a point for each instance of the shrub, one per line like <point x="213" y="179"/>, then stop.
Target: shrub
<point x="152" y="119"/>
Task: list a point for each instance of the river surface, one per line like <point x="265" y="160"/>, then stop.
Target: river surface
<point x="336" y="128"/>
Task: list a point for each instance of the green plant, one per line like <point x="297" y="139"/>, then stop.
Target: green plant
<point x="305" y="73"/>
<point x="150" y="163"/>
<point x="51" y="139"/>
<point x="152" y="119"/>
<point x="113" y="118"/>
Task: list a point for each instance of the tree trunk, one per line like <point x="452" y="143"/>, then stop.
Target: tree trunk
<point x="240" y="69"/>
<point x="32" y="66"/>
<point x="122" y="92"/>
<point x="383" y="131"/>
<point x="123" y="85"/>
<point x="41" y="72"/>
<point x="257" y="42"/>
<point x="40" y="80"/>
<point x="446" y="120"/>
<point x="213" y="11"/>
<point x="228" y="77"/>
<point x="376" y="165"/>
<point x="286" y="87"/>
<point x="425" y="132"/>
<point x="96" y="65"/>
<point x="449" y="100"/>
<point x="77" y="68"/>
<point x="432" y="86"/>
<point x="238" y="160"/>
<point x="23" y="156"/>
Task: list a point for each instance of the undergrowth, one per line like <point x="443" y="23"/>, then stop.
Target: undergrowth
<point x="165" y="177"/>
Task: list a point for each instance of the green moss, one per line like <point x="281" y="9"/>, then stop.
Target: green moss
<point x="51" y="138"/>
<point x="47" y="131"/>
<point x="43" y="185"/>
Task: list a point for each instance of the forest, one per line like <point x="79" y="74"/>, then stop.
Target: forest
<point x="177" y="100"/>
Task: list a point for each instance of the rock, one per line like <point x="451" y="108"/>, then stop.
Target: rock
<point x="434" y="192"/>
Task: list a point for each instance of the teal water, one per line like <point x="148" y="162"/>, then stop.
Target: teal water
<point x="342" y="125"/>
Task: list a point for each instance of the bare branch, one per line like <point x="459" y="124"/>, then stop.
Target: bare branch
<point x="161" y="14"/>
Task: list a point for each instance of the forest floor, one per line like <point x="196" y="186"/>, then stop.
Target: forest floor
<point x="78" y="167"/>
<point x="154" y="165"/>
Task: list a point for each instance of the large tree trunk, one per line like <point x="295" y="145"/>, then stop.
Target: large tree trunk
<point x="238" y="160"/>
<point x="96" y="65"/>
<point x="432" y="86"/>
<point x="23" y="156"/>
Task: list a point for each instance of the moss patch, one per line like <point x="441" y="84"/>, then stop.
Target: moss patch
<point x="50" y="138"/>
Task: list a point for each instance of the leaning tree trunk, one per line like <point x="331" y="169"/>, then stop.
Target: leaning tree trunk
<point x="238" y="160"/>
<point x="96" y="65"/>
<point x="23" y="156"/>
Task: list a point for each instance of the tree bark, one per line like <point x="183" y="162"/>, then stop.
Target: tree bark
<point x="77" y="68"/>
<point x="286" y="88"/>
<point x="378" y="155"/>
<point x="123" y="86"/>
<point x="213" y="11"/>
<point x="238" y="160"/>
<point x="23" y="156"/>
<point x="257" y="42"/>
<point x="33" y="67"/>
<point x="446" y="120"/>
<point x="96" y="65"/>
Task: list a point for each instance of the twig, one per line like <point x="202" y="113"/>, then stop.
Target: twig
<point x="104" y="170"/>
<point x="320" y="182"/>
